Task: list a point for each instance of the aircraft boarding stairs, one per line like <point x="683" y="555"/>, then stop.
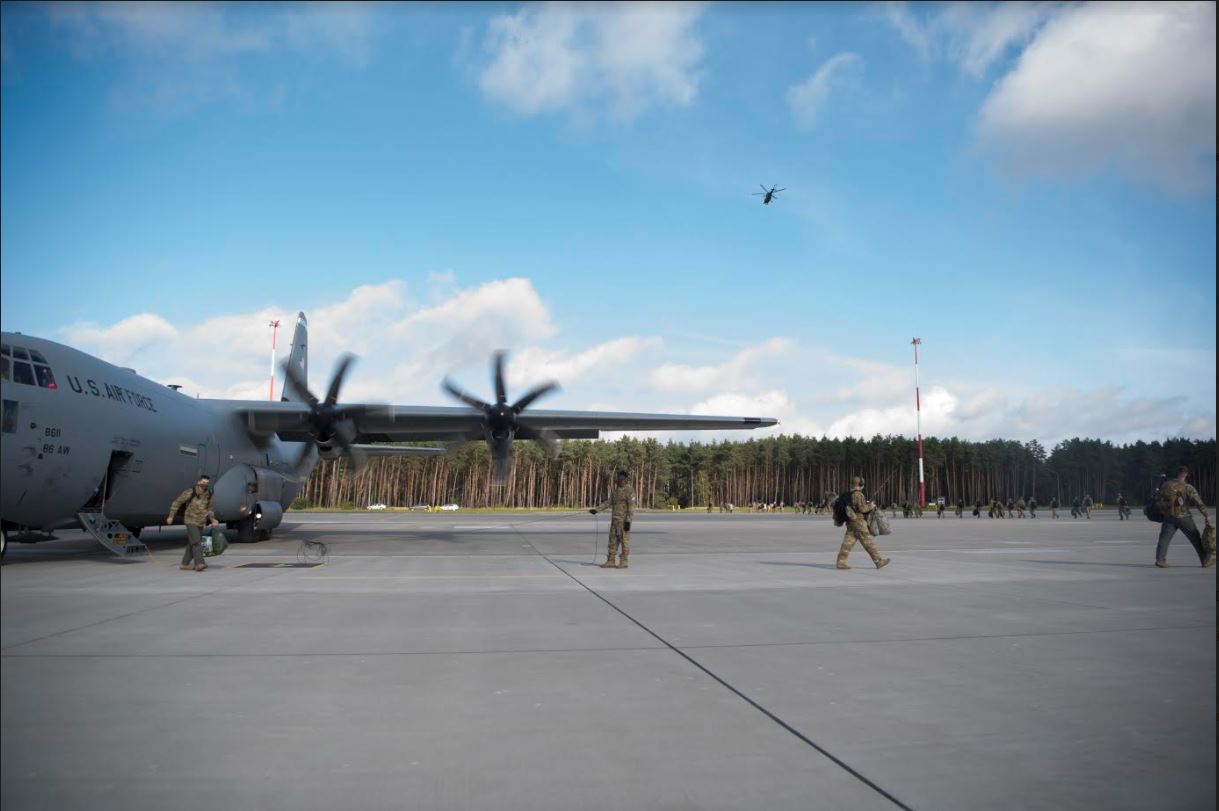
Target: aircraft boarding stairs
<point x="112" y="534"/>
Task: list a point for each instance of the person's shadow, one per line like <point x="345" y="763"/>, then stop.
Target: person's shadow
<point x="832" y="566"/>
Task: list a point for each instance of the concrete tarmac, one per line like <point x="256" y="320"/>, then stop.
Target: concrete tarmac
<point x="483" y="661"/>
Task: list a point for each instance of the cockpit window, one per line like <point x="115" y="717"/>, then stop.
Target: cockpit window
<point x="46" y="378"/>
<point x="5" y="349"/>
<point x="23" y="373"/>
<point x="36" y="373"/>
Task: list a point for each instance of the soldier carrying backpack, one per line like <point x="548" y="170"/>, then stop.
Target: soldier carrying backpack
<point x="852" y="509"/>
<point x="1176" y="496"/>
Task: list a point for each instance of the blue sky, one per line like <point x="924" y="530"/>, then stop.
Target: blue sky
<point x="1029" y="188"/>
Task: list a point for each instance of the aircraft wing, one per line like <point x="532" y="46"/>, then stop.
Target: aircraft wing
<point x="396" y="450"/>
<point x="389" y="423"/>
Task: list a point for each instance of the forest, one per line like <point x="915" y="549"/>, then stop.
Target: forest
<point x="787" y="469"/>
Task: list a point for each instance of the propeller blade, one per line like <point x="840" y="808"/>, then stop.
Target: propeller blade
<point x="468" y="399"/>
<point x="550" y="442"/>
<point x="764" y="188"/>
<point x="779" y="190"/>
<point x="336" y="382"/>
<point x="293" y="379"/>
<point x="542" y="390"/>
<point x="344" y="436"/>
<point x="502" y="466"/>
<point x="501" y="388"/>
<point x="303" y="457"/>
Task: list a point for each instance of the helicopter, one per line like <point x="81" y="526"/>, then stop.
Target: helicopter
<point x="767" y="194"/>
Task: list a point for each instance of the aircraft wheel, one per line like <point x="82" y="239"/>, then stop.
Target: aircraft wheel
<point x="245" y="530"/>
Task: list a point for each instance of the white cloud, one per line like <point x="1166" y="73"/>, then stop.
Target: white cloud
<point x="535" y="364"/>
<point x="182" y="56"/>
<point x="628" y="57"/>
<point x="807" y="99"/>
<point x="742" y="369"/>
<point x="1128" y="87"/>
<point x="407" y="347"/>
<point x="973" y="36"/>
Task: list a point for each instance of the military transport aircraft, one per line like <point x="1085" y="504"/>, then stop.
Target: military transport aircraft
<point x="90" y="445"/>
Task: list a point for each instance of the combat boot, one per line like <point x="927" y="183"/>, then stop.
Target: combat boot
<point x="1163" y="564"/>
<point x="609" y="564"/>
<point x="842" y="564"/>
<point x="200" y="567"/>
<point x="882" y="563"/>
<point x="186" y="567"/>
<point x="622" y="563"/>
<point x="1209" y="561"/>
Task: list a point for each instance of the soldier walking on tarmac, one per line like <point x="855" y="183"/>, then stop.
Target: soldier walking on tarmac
<point x="622" y="502"/>
<point x="1174" y="500"/>
<point x="857" y="527"/>
<point x="1032" y="506"/>
<point x="197" y="502"/>
<point x="1054" y="508"/>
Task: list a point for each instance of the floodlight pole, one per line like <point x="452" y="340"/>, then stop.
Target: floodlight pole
<point x="918" y="412"/>
<point x="274" y="333"/>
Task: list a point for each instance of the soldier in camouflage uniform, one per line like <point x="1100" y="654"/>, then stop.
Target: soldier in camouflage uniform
<point x="1054" y="508"/>
<point x="197" y="501"/>
<point x="1088" y="506"/>
<point x="1075" y="509"/>
<point x="1175" y="499"/>
<point x="857" y="527"/>
<point x="1123" y="509"/>
<point x="622" y="504"/>
<point x="1020" y="507"/>
<point x="1032" y="507"/>
<point x="960" y="507"/>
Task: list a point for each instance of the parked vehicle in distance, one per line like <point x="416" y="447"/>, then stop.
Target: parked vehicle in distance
<point x="449" y="507"/>
<point x="421" y="508"/>
<point x="377" y="507"/>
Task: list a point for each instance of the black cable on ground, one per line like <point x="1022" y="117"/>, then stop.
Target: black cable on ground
<point x="722" y="682"/>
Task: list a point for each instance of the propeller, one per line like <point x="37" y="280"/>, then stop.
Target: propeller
<point x="499" y="424"/>
<point x="332" y="425"/>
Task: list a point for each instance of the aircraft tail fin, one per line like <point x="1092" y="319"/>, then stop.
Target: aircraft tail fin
<point x="298" y="358"/>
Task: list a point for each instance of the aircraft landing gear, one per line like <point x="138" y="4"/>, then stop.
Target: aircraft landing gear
<point x="248" y="531"/>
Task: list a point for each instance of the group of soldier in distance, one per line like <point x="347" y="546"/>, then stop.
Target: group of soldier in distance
<point x="1169" y="505"/>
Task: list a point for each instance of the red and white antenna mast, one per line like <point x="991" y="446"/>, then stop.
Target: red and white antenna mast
<point x="918" y="412"/>
<point x="274" y="333"/>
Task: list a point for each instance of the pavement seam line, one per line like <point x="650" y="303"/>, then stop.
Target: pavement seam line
<point x="724" y="683"/>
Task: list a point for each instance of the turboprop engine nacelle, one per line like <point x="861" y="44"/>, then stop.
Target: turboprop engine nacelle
<point x="244" y="490"/>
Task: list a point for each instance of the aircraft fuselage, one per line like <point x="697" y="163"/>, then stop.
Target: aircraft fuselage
<point x="82" y="434"/>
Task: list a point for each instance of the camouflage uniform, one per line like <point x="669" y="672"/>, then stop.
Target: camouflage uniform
<point x="960" y="507"/>
<point x="1123" y="510"/>
<point x="1011" y="509"/>
<point x="1054" y="508"/>
<point x="1032" y="508"/>
<point x="621" y="503"/>
<point x="1176" y="497"/>
<point x="1075" y="508"/>
<point x="1020" y="507"/>
<point x="857" y="530"/>
<point x="977" y="509"/>
<point x="1088" y="506"/>
<point x="198" y="514"/>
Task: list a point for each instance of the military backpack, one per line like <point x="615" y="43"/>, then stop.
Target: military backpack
<point x="840" y="508"/>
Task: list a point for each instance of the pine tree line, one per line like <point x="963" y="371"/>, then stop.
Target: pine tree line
<point x="786" y="469"/>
